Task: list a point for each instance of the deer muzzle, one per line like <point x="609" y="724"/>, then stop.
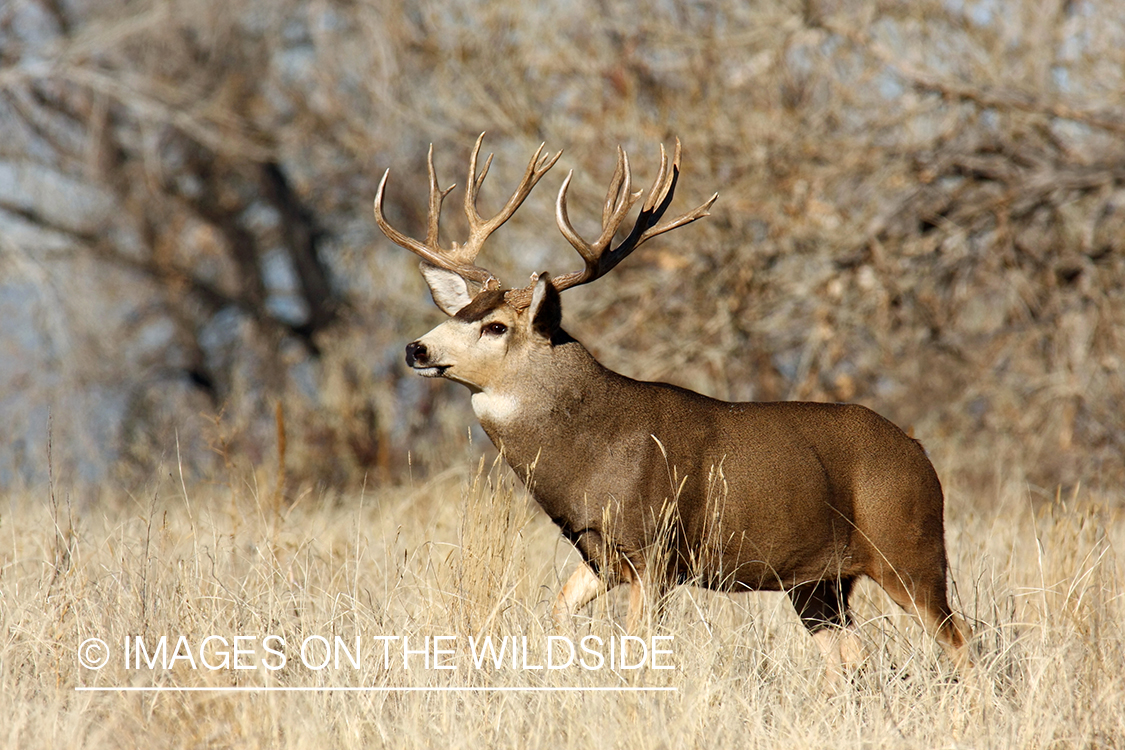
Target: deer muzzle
<point x="418" y="358"/>
<point x="416" y="354"/>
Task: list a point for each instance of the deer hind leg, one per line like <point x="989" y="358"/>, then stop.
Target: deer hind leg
<point x="823" y="609"/>
<point x="925" y="598"/>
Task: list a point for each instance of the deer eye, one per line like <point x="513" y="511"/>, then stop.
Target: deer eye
<point x="495" y="329"/>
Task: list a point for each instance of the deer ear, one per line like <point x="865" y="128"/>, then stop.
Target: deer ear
<point x="450" y="291"/>
<point x="545" y="310"/>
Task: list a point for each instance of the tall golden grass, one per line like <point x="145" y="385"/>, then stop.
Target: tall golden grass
<point x="468" y="554"/>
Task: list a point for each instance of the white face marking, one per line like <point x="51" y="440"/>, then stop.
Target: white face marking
<point x="495" y="407"/>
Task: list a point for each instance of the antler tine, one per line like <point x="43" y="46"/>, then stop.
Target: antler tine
<point x="479" y="228"/>
<point x="661" y="184"/>
<point x="430" y="251"/>
<point x="613" y="193"/>
<point x="658" y="207"/>
<point x="563" y="220"/>
<point x="625" y="200"/>
<point x="618" y="202"/>
<point x="437" y="197"/>
<point x="460" y="257"/>
<point x="474" y="179"/>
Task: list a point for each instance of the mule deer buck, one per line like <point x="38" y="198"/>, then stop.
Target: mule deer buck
<point x="814" y="495"/>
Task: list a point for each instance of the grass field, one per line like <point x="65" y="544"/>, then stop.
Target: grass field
<point x="466" y="554"/>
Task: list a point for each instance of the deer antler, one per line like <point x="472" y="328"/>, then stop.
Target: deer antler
<point x="460" y="257"/>
<point x="618" y="200"/>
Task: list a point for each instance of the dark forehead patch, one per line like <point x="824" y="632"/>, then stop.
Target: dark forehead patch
<point x="482" y="305"/>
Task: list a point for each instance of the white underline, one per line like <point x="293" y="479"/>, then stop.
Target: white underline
<point x="350" y="689"/>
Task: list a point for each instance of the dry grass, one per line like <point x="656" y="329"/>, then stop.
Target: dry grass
<point x="465" y="555"/>
<point x="922" y="209"/>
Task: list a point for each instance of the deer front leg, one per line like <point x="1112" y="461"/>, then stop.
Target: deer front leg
<point x="581" y="588"/>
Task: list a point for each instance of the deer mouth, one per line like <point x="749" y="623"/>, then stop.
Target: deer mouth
<point x="432" y="372"/>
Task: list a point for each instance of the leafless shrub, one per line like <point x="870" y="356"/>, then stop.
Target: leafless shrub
<point x="922" y="208"/>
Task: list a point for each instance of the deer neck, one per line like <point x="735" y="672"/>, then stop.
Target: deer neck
<point x="556" y="404"/>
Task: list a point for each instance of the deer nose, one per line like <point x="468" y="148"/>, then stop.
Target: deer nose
<point x="416" y="354"/>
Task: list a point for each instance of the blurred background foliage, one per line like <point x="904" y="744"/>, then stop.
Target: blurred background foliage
<point x="922" y="209"/>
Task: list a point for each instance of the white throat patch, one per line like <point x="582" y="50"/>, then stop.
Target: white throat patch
<point x="495" y="407"/>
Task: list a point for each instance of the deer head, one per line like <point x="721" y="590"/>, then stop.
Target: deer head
<point x="494" y="330"/>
